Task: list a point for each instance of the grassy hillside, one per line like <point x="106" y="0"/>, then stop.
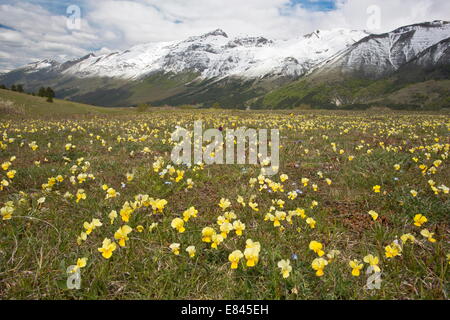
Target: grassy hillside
<point x="359" y="93"/>
<point x="17" y="104"/>
<point x="411" y="87"/>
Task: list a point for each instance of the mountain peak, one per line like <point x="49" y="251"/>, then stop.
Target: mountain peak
<point x="216" y="33"/>
<point x="46" y="63"/>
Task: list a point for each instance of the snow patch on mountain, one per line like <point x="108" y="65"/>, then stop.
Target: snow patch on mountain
<point x="215" y="55"/>
<point x="438" y="54"/>
<point x="40" y="65"/>
<point x="379" y="55"/>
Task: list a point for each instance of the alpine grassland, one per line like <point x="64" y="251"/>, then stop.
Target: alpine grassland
<point x="93" y="208"/>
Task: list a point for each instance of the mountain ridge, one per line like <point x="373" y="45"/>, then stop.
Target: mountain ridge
<point x="237" y="71"/>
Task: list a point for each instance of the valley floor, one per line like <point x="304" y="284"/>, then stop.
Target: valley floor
<point x="350" y="185"/>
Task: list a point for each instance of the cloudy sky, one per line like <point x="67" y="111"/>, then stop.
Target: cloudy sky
<point x="32" y="30"/>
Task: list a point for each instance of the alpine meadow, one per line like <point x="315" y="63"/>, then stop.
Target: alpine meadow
<point x="335" y="186"/>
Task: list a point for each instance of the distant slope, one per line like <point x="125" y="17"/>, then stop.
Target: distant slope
<point x="21" y="104"/>
<point x="422" y="90"/>
<point x="421" y="82"/>
<point x="380" y="55"/>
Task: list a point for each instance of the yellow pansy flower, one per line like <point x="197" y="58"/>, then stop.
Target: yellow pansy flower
<point x="111" y="193"/>
<point x="285" y="267"/>
<point x="238" y="227"/>
<point x="224" y="204"/>
<point x="241" y="201"/>
<point x="392" y="250"/>
<point x="225" y="228"/>
<point x="107" y="248"/>
<point x="207" y="234"/>
<point x="356" y="267"/>
<point x="130" y="177"/>
<point x="311" y="222"/>
<point x="81" y="195"/>
<point x="81" y="263"/>
<point x="175" y="247"/>
<point x="7" y="211"/>
<point x="407" y="237"/>
<point x="252" y="256"/>
<point x="112" y="216"/>
<point x="216" y="239"/>
<point x="5" y="165"/>
<point x="305" y="181"/>
<point x="319" y="265"/>
<point x="234" y="258"/>
<point x="11" y="174"/>
<point x="122" y="234"/>
<point x="316" y="247"/>
<point x="419" y="220"/>
<point x="427" y="234"/>
<point x="190" y="213"/>
<point x="178" y="224"/>
<point x="191" y="251"/>
<point x="373" y="261"/>
<point x="253" y="205"/>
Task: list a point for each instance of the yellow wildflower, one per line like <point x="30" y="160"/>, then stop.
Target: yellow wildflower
<point x="207" y="234"/>
<point x="238" y="227"/>
<point x="373" y="261"/>
<point x="107" y="248"/>
<point x="178" y="224"/>
<point x="122" y="234"/>
<point x="392" y="250"/>
<point x="311" y="222"/>
<point x="373" y="214"/>
<point x="427" y="234"/>
<point x="224" y="204"/>
<point x="112" y="216"/>
<point x="234" y="258"/>
<point x="318" y="265"/>
<point x="285" y="267"/>
<point x="191" y="251"/>
<point x="419" y="220"/>
<point x="216" y="239"/>
<point x="407" y="237"/>
<point x="175" y="247"/>
<point x="316" y="247"/>
<point x="81" y="263"/>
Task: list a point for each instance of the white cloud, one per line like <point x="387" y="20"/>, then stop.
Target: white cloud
<point x="117" y="25"/>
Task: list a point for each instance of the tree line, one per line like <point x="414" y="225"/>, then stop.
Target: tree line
<point x="48" y="92"/>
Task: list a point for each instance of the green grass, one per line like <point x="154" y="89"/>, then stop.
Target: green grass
<point x="39" y="242"/>
<point x="28" y="105"/>
<point x="359" y="93"/>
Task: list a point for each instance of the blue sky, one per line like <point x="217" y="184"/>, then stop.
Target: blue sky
<point x="32" y="30"/>
<point x="316" y="5"/>
<point x="54" y="6"/>
<point x="59" y="6"/>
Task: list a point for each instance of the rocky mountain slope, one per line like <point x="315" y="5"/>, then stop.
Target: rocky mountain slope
<point x="242" y="71"/>
<point x="371" y="71"/>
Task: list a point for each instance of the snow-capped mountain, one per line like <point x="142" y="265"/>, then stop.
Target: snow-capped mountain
<point x="438" y="54"/>
<point x="241" y="71"/>
<point x="39" y="65"/>
<point x="213" y="55"/>
<point x="381" y="54"/>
